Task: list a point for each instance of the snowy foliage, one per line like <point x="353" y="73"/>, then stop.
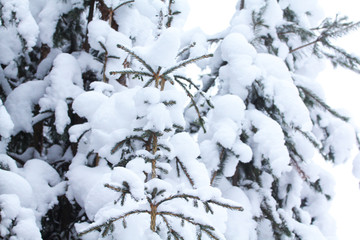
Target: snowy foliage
<point x="104" y="136"/>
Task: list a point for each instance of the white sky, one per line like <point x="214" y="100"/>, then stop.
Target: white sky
<point x="341" y="88"/>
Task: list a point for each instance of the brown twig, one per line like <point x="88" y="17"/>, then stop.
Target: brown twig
<point x="306" y="45"/>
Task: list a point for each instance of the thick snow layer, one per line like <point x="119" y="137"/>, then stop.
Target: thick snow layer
<point x="7" y="163"/>
<point x="48" y="16"/>
<point x="99" y="196"/>
<point x="10" y="44"/>
<point x="26" y="195"/>
<point x="46" y="64"/>
<point x="121" y="175"/>
<point x="279" y="86"/>
<point x="20" y="104"/>
<point x="186" y="149"/>
<point x="27" y="27"/>
<point x="65" y="83"/>
<point x="132" y="23"/>
<point x="273" y="15"/>
<point x="240" y="225"/>
<point x="268" y="142"/>
<point x="163" y="51"/>
<point x="235" y="45"/>
<point x="240" y="71"/>
<point x="7" y="124"/>
<point x="19" y="220"/>
<point x="82" y="179"/>
<point x="100" y="32"/>
<point x="45" y="183"/>
<point x="224" y="127"/>
<point x="12" y="183"/>
<point x="340" y="141"/>
<point x="87" y="103"/>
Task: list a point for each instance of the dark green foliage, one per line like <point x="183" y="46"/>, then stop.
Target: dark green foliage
<point x="69" y="31"/>
<point x="20" y="143"/>
<point x="59" y="221"/>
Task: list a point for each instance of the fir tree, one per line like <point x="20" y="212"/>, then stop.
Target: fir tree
<point x="103" y="136"/>
<point x="267" y="148"/>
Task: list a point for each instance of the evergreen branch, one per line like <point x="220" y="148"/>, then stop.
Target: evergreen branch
<point x="130" y="71"/>
<point x="215" y="40"/>
<point x="222" y="159"/>
<point x="203" y="227"/>
<point x="113" y="57"/>
<point x="121" y="143"/>
<point x="298" y="169"/>
<point x="87" y="130"/>
<point x="112" y="220"/>
<point x="122" y="4"/>
<point x="187" y="80"/>
<point x="303" y="33"/>
<point x="185" y="196"/>
<point x="186" y="62"/>
<point x="186" y="49"/>
<point x="185" y="171"/>
<point x="209" y="233"/>
<point x="175" y="234"/>
<point x="342" y="58"/>
<point x="121" y="190"/>
<point x="137" y="57"/>
<point x="105" y="62"/>
<point x="304" y="46"/>
<point x="313" y="141"/>
<point x="116" y="189"/>
<point x="118" y="146"/>
<point x="169" y="79"/>
<point x="344" y="61"/>
<point x="191" y="83"/>
<point x="293" y="153"/>
<point x="341" y="31"/>
<point x="194" y="104"/>
<point x="323" y="104"/>
<point x="149" y="82"/>
<point x="357" y="140"/>
<point x="225" y="205"/>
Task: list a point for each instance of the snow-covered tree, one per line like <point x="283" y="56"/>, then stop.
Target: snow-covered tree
<point x="265" y="66"/>
<point x="104" y="136"/>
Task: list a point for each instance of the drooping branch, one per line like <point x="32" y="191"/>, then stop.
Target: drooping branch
<point x="137" y="57"/>
<point x="215" y="173"/>
<point x="122" y="4"/>
<point x="194" y="104"/>
<point x="112" y="220"/>
<point x="323" y="104"/>
<point x="106" y="57"/>
<point x="175" y="234"/>
<point x="203" y="227"/>
<point x="178" y="162"/>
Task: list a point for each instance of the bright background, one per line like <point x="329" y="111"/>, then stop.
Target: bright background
<point x="341" y="89"/>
